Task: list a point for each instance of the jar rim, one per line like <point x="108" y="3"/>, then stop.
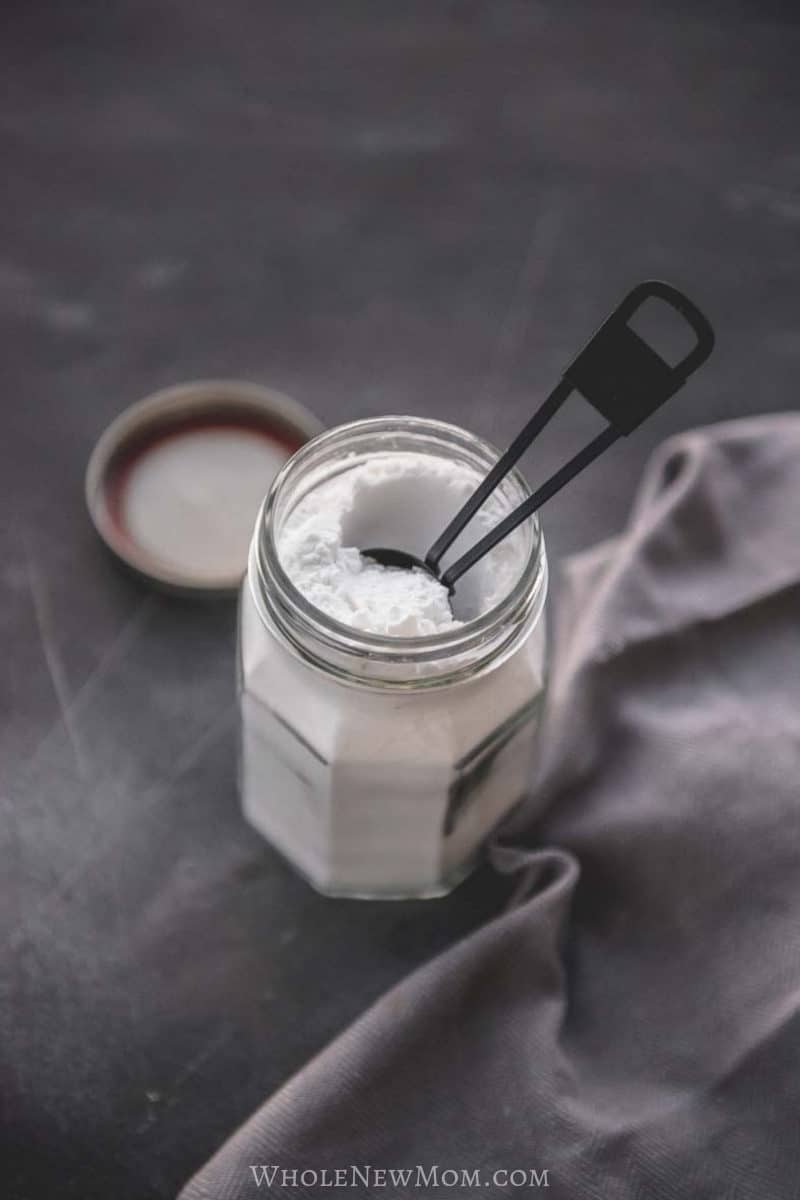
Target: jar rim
<point x="384" y="648"/>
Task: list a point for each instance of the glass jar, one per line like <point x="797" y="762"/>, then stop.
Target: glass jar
<point x="379" y="765"/>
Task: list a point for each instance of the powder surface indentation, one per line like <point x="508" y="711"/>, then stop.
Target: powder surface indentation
<point x="401" y="500"/>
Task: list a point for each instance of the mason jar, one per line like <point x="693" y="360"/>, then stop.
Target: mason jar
<point x="378" y="766"/>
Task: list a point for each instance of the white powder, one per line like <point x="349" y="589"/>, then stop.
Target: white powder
<point x="403" y="501"/>
<point x="191" y="499"/>
<point x="381" y="793"/>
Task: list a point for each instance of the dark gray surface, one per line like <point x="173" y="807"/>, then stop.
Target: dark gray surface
<point x="375" y="207"/>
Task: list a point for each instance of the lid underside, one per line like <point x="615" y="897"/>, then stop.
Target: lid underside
<point x="175" y="483"/>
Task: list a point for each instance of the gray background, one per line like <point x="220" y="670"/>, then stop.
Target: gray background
<point x="376" y="207"/>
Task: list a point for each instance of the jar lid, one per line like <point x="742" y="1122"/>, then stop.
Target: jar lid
<point x="174" y="484"/>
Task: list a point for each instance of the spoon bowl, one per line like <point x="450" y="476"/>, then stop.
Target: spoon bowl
<point x="402" y="560"/>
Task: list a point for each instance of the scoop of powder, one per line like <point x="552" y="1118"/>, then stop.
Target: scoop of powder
<point x="360" y="592"/>
<point x="400" y="500"/>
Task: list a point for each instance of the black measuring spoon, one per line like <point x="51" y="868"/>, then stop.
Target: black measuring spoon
<point x="621" y="376"/>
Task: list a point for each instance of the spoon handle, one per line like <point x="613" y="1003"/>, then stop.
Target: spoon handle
<point x="498" y="472"/>
<point x="622" y="377"/>
<point x="528" y="507"/>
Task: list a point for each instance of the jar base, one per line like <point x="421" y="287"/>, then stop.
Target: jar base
<point x="434" y="892"/>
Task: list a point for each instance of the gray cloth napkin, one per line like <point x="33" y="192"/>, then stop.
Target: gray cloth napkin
<point x="631" y="1025"/>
